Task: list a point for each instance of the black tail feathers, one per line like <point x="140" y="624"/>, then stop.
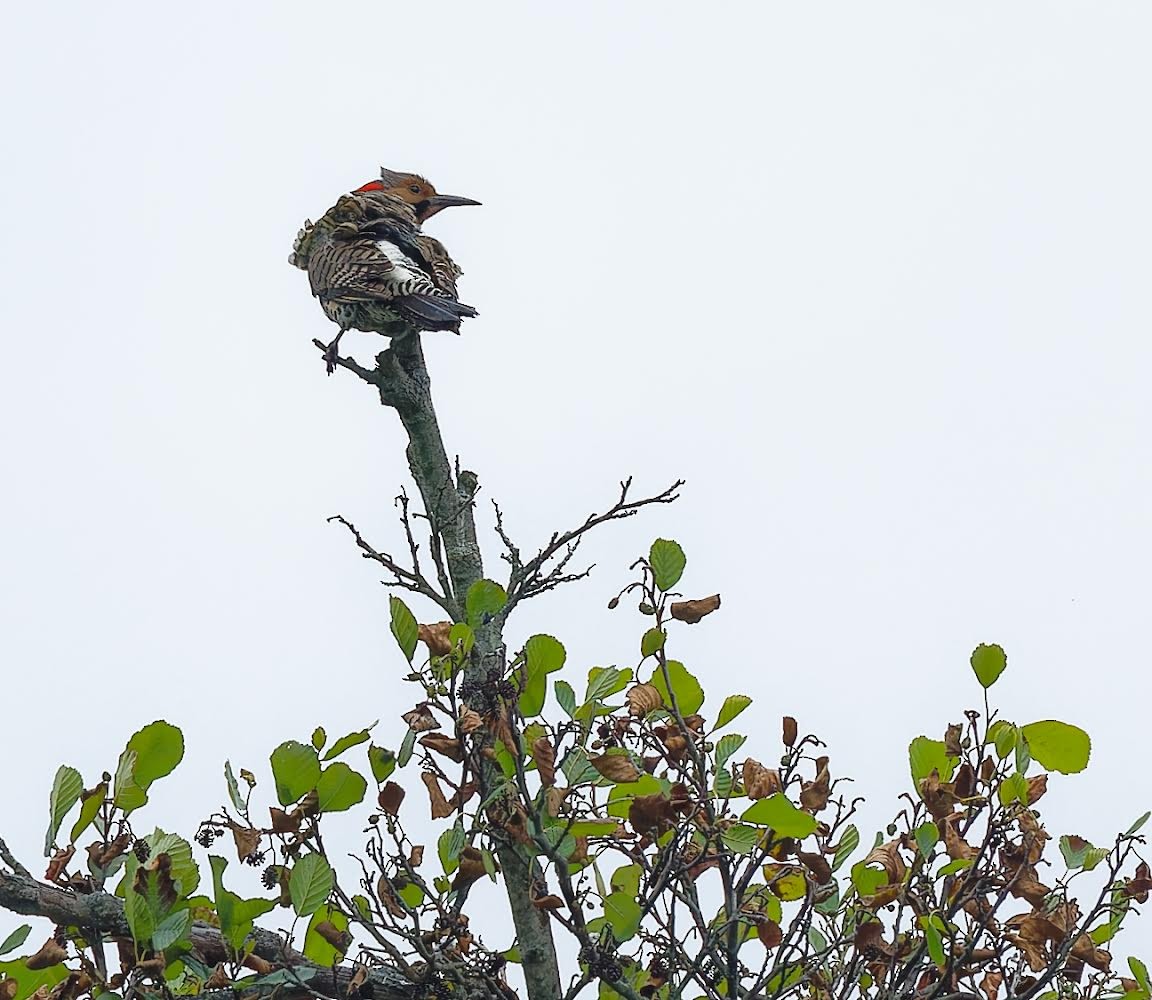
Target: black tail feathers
<point x="430" y="313"/>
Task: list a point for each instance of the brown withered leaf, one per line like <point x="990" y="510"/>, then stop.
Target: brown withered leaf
<point x="420" y="719"/>
<point x="964" y="783"/>
<point x="1037" y="786"/>
<point x="444" y="745"/>
<point x="416" y="856"/>
<point x="390" y="797"/>
<point x="1140" y="885"/>
<point x="247" y="840"/>
<point x="615" y="767"/>
<point x="471" y="868"/>
<point x="77" y="984"/>
<point x="869" y="939"/>
<point x="1031" y="932"/>
<point x="340" y="940"/>
<point x="789" y="732"/>
<point x="115" y="848"/>
<point x="463" y="794"/>
<point x="690" y="612"/>
<point x="957" y="847"/>
<point x="817" y="865"/>
<point x="990" y="984"/>
<point x="58" y="863"/>
<point x="651" y="814"/>
<point x="469" y="722"/>
<point x="50" y="953"/>
<point x="435" y="637"/>
<point x="549" y="902"/>
<point x="545" y="757"/>
<point x="1086" y="951"/>
<point x="386" y="893"/>
<point x="360" y="977"/>
<point x="8" y="989"/>
<point x="952" y="736"/>
<point x="581" y="853"/>
<point x="156" y="878"/>
<point x="1029" y="888"/>
<point x="1126" y="984"/>
<point x="261" y="966"/>
<point x="283" y="822"/>
<point x="939" y="798"/>
<point x="642" y="699"/>
<point x="769" y="933"/>
<point x="219" y="978"/>
<point x="439" y="804"/>
<point x="889" y="858"/>
<point x="814" y="794"/>
<point x="554" y="799"/>
<point x="760" y="781"/>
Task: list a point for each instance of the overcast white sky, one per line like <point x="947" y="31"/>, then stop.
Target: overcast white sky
<point x="872" y="277"/>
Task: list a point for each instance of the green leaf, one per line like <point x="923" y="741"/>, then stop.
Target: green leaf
<point x="651" y="641"/>
<point x="383" y="763"/>
<point x="723" y="784"/>
<point x="159" y="748"/>
<point x="126" y="794"/>
<point x="926" y="756"/>
<point x="959" y="865"/>
<point x="310" y="884"/>
<point x="849" y="841"/>
<point x="623" y="914"/>
<point x="577" y="769"/>
<point x="726" y="746"/>
<point x="90" y="804"/>
<point x="1140" y="973"/>
<point x="1014" y="788"/>
<point x="412" y="894"/>
<point x="733" y="705"/>
<point x="988" y="663"/>
<point x="603" y="682"/>
<point x="233" y="788"/>
<point x="484" y="598"/>
<point x="566" y="698"/>
<point x="185" y="871"/>
<point x="626" y="879"/>
<point x="742" y="839"/>
<point x="781" y="815"/>
<point x="339" y="788"/>
<point x="1058" y="746"/>
<point x="1003" y="735"/>
<point x="543" y="655"/>
<point x="171" y="929"/>
<point x="66" y="789"/>
<point x="319" y="738"/>
<point x="347" y="742"/>
<point x="1136" y="827"/>
<point x="15" y="939"/>
<point x="295" y="769"/>
<point x="449" y="846"/>
<point x="316" y="947"/>
<point x="667" y="560"/>
<point x="1079" y="853"/>
<point x="407" y="746"/>
<point x="867" y="879"/>
<point x="927" y="837"/>
<point x="621" y="796"/>
<point x="236" y="915"/>
<point x="30" y="981"/>
<point x="405" y="628"/>
<point x="685" y="687"/>
<point x="593" y="828"/>
<point x="932" y="937"/>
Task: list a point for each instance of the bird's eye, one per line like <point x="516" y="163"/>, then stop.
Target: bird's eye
<point x="414" y="188"/>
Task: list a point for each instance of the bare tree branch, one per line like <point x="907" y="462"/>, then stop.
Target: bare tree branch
<point x="536" y="576"/>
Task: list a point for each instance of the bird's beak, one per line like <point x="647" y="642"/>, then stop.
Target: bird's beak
<point x="441" y="201"/>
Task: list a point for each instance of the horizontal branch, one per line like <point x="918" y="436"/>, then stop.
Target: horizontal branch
<point x="103" y="912"/>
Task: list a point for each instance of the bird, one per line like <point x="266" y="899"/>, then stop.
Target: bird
<point x="374" y="269"/>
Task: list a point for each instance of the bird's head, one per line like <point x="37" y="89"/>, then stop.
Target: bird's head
<point x="414" y="190"/>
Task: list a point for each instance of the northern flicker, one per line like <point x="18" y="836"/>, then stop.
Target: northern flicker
<point x="372" y="267"/>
